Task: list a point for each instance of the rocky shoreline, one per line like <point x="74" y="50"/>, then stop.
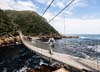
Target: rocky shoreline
<point x="70" y="36"/>
<point x="45" y="37"/>
<point x="11" y="40"/>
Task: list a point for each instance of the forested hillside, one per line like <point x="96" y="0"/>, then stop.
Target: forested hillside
<point x="27" y="21"/>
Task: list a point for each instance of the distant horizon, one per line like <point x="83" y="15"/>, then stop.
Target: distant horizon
<point x="80" y="34"/>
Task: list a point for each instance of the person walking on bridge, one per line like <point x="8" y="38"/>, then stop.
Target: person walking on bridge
<point x="51" y="42"/>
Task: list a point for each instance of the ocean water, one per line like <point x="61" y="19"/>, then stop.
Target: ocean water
<point x="86" y="46"/>
<point x="19" y="58"/>
<point x="89" y="36"/>
<point x="85" y="36"/>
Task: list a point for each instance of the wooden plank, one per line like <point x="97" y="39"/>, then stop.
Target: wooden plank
<point x="61" y="70"/>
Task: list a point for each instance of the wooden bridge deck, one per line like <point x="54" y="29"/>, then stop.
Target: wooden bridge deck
<point x="61" y="70"/>
<point x="64" y="58"/>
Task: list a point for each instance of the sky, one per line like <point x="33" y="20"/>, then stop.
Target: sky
<point x="81" y="17"/>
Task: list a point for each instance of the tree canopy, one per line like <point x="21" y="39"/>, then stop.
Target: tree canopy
<point x="29" y="22"/>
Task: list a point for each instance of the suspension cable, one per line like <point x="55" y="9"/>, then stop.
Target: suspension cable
<point x="64" y="32"/>
<point x="47" y="7"/>
<point x="62" y="10"/>
<point x="46" y="10"/>
<point x="97" y="57"/>
<point x="44" y="13"/>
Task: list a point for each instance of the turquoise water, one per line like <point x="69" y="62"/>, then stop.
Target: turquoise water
<point x="87" y="36"/>
<point x="92" y="36"/>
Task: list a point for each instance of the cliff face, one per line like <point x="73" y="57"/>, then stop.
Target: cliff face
<point x="27" y="21"/>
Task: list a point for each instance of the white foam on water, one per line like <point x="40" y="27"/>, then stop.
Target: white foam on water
<point x="97" y="48"/>
<point x="82" y="37"/>
<point x="23" y="69"/>
<point x="5" y="70"/>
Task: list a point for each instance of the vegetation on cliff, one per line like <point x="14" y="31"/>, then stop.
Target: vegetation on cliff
<point x="27" y="21"/>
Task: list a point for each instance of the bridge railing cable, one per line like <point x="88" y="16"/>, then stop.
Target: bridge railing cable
<point x="47" y="7"/>
<point x="62" y="10"/>
<point x="97" y="57"/>
<point x="44" y="13"/>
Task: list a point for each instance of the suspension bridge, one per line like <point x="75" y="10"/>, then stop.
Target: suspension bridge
<point x="81" y="65"/>
<point x="67" y="60"/>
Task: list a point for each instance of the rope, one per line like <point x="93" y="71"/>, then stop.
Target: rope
<point x="46" y="10"/>
<point x="47" y="7"/>
<point x="64" y="33"/>
<point x="62" y="10"/>
<point x="44" y="13"/>
<point x="97" y="58"/>
<point x="58" y="12"/>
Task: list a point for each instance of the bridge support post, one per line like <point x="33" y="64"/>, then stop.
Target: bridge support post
<point x="50" y="61"/>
